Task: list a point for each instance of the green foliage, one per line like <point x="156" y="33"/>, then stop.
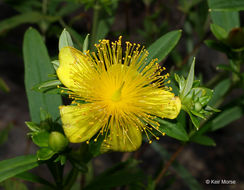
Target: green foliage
<point x="28" y="176"/>
<point x="65" y="40"/>
<point x="10" y="23"/>
<point x="226" y="5"/>
<point x="203" y="140"/>
<point x="194" y="99"/>
<point x="225" y="117"/>
<point x="17" y="165"/>
<point x="121" y="174"/>
<point x="164" y="45"/>
<point x="174" y="130"/>
<point x="11" y="184"/>
<point x="37" y="67"/>
<point x="45" y="153"/>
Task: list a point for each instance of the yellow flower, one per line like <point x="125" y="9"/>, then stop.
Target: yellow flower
<point x="122" y="93"/>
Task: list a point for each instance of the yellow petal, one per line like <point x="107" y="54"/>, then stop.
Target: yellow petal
<point x="122" y="140"/>
<point x="68" y="58"/>
<point x="172" y="108"/>
<point x="78" y="123"/>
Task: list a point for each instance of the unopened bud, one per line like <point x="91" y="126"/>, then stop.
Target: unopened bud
<point x="198" y="106"/>
<point x="57" y="141"/>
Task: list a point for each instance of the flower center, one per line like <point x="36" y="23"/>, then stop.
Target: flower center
<point x="116" y="97"/>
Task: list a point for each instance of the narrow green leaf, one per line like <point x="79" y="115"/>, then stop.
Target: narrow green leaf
<point x="219" y="32"/>
<point x="203" y="140"/>
<point x="218" y="46"/>
<point x="219" y="91"/>
<point x="37" y="68"/>
<point x="77" y="38"/>
<point x="28" y="17"/>
<point x="163" y="46"/>
<point x="55" y="64"/>
<point x="32" y="126"/>
<point x="14" y="166"/>
<point x="226" y="117"/>
<point x="226" y="5"/>
<point x="121" y="174"/>
<point x="11" y="184"/>
<point x="86" y="43"/>
<point x="209" y="108"/>
<point x="187" y="178"/>
<point x="65" y="40"/>
<point x="103" y="28"/>
<point x="194" y="120"/>
<point x="45" y="153"/>
<point x="46" y="85"/>
<point x="28" y="176"/>
<point x="174" y="130"/>
<point x="189" y="80"/>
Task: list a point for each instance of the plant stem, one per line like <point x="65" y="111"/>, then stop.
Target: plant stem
<point x="168" y="164"/>
<point x="57" y="171"/>
<point x="95" y="19"/>
<point x="71" y="179"/>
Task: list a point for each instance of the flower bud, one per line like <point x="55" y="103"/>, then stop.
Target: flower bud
<point x="57" y="141"/>
<point x="198" y="106"/>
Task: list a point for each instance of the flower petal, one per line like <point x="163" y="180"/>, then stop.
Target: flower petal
<point x="68" y="58"/>
<point x="78" y="122"/>
<point x="122" y="139"/>
<point x="172" y="108"/>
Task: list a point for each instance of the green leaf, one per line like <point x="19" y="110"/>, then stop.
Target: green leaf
<point x="86" y="43"/>
<point x="47" y="85"/>
<point x="187" y="178"/>
<point x="55" y="64"/>
<point x="226" y="5"/>
<point x="3" y="86"/>
<point x="37" y="68"/>
<point x="121" y="174"/>
<point x="226" y="117"/>
<point x="65" y="40"/>
<point x="32" y="126"/>
<point x="174" y="130"/>
<point x="77" y="38"/>
<point x="163" y="46"/>
<point x="28" y="176"/>
<point x="203" y="140"/>
<point x="12" y="184"/>
<point x="226" y="20"/>
<point x="194" y="120"/>
<point x="12" y="22"/>
<point x="219" y="32"/>
<point x="103" y="28"/>
<point x="219" y="91"/>
<point x="14" y="166"/>
<point x="209" y="108"/>
<point x="217" y="45"/>
<point x="45" y="153"/>
<point x="189" y="80"/>
<point x="41" y="139"/>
